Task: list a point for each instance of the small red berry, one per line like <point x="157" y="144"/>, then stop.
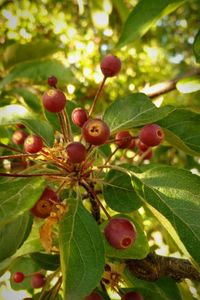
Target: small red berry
<point x="151" y="135"/>
<point x="110" y="65"/>
<point x="33" y="144"/>
<point x="54" y="100"/>
<point x="76" y="152"/>
<point x="52" y="81"/>
<point x="132" y="296"/>
<point x="94" y="296"/>
<point x="123" y="139"/>
<point x="96" y="132"/>
<point x="37" y="280"/>
<point x="120" y="233"/>
<point x="44" y="205"/>
<point x="18" y="277"/>
<point x="20" y="125"/>
<point x="142" y="146"/>
<point x="79" y="116"/>
<point x="19" y="137"/>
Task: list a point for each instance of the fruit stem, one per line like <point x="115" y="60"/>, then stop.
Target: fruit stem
<point x="67" y="124"/>
<point x="17" y="156"/>
<point x="111" y="155"/>
<point x="94" y="195"/>
<point x="31" y="175"/>
<point x="63" y="128"/>
<point x="10" y="148"/>
<point x="97" y="95"/>
<point x="143" y="156"/>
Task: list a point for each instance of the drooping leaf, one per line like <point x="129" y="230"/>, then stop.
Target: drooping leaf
<point x="13" y="234"/>
<point x="27" y="266"/>
<point x="31" y="99"/>
<point x="182" y="130"/>
<point x="13" y="114"/>
<point x="196" y="47"/>
<point x="17" y="196"/>
<point x="175" y="193"/>
<point x="138" y="250"/>
<point x="38" y="71"/>
<point x="46" y="261"/>
<point x="119" y="193"/>
<point x="81" y="250"/>
<point x="132" y="111"/>
<point x="189" y="84"/>
<point x="162" y="289"/>
<point x="143" y="16"/>
<point x="17" y="53"/>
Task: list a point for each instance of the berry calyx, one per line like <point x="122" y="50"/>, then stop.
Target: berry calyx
<point x="54" y="100"/>
<point x="110" y="65"/>
<point x="79" y="116"/>
<point x="33" y="144"/>
<point x="76" y="152"/>
<point x="52" y="81"/>
<point x="132" y="296"/>
<point x="44" y="205"/>
<point x="37" y="280"/>
<point x="96" y="132"/>
<point x="151" y="135"/>
<point x="19" y="137"/>
<point x="18" y="277"/>
<point x="123" y="139"/>
<point x="120" y="233"/>
<point x="94" y="296"/>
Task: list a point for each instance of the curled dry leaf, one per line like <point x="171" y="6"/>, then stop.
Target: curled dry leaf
<point x="46" y="236"/>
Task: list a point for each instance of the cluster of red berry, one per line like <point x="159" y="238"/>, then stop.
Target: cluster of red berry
<point x="120" y="232"/>
<point x="37" y="279"/>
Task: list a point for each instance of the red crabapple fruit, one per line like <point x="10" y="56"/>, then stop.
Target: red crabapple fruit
<point x="110" y="65"/>
<point x="151" y="135"/>
<point x="123" y="139"/>
<point x="18" y="277"/>
<point x="54" y="100"/>
<point x="19" y="137"/>
<point x="76" y="152"/>
<point x="33" y="144"/>
<point x="132" y="296"/>
<point x="79" y="116"/>
<point x="37" y="280"/>
<point x="96" y="132"/>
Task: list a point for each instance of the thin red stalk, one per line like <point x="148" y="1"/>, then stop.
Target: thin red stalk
<point x="17" y="156"/>
<point x="63" y="127"/>
<point x="30" y="175"/>
<point x="67" y="124"/>
<point x="10" y="148"/>
<point x="89" y="190"/>
<point x="111" y="155"/>
<point x="97" y="96"/>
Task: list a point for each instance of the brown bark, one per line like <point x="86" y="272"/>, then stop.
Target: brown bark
<point x="155" y="266"/>
<point x="167" y="86"/>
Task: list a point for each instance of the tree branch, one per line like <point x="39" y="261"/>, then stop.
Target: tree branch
<point x="167" y="86"/>
<point x="155" y="266"/>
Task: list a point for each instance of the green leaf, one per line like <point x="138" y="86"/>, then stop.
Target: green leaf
<point x="132" y="111"/>
<point x="41" y="128"/>
<point x="17" y="196"/>
<point x="188" y="85"/>
<point x="119" y="193"/>
<point x="81" y="250"/>
<point x="196" y="47"/>
<point x="182" y="130"/>
<point x="162" y="289"/>
<point x="143" y="16"/>
<point x="138" y="250"/>
<point x="30" y="99"/>
<point x="13" y="114"/>
<point x="17" y="53"/>
<point x="175" y="193"/>
<point x="38" y="71"/>
<point x="13" y="234"/>
<point x="27" y="266"/>
<point x="46" y="261"/>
